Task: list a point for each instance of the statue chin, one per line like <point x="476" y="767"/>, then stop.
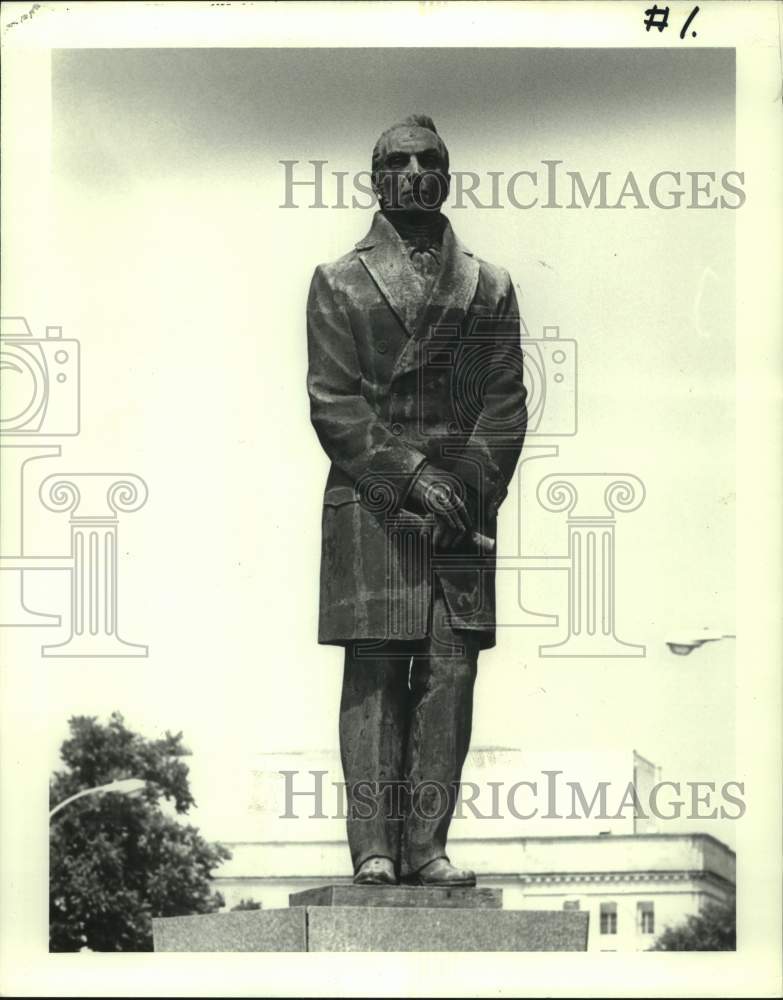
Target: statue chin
<point x="413" y="216"/>
<point x="408" y="208"/>
<point x="427" y="202"/>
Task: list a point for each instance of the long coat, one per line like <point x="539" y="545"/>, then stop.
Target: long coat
<point x="393" y="384"/>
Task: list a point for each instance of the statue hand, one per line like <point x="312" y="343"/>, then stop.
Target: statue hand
<point x="434" y="492"/>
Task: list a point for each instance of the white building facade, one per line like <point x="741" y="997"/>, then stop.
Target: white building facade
<point x="525" y="832"/>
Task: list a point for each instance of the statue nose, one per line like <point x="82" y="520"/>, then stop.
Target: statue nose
<point x="414" y="167"/>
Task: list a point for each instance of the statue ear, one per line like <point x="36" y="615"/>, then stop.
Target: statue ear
<point x="377" y="187"/>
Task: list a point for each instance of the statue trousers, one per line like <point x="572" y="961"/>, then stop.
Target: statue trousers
<point x="405" y="721"/>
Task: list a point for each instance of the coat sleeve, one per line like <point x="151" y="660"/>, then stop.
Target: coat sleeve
<point x="490" y="456"/>
<point x="380" y="465"/>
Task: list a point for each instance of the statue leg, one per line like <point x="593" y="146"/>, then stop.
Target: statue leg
<point x="442" y="680"/>
<point x="373" y="729"/>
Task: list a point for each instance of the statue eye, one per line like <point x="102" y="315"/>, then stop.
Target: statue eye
<point x="396" y="160"/>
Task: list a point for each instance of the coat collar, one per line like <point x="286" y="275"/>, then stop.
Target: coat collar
<point x="382" y="231"/>
<point x="384" y="256"/>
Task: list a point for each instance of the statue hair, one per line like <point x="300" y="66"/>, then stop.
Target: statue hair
<point x="412" y="121"/>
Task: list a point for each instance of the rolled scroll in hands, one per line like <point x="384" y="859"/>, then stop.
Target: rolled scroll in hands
<point x="437" y="492"/>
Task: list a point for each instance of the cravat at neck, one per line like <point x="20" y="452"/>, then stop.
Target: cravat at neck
<point x="420" y="230"/>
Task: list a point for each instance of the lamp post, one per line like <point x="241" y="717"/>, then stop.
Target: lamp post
<point x="124" y="786"/>
<point x="685" y="643"/>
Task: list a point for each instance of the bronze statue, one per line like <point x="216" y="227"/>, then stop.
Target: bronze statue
<point x="416" y="394"/>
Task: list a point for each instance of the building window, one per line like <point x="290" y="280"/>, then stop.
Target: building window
<point x="646" y="917"/>
<point x="571" y="904"/>
<point x="608" y="918"/>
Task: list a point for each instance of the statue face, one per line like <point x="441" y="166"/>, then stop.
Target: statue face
<point x="412" y="174"/>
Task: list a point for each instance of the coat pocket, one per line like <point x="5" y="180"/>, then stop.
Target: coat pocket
<point x="336" y="496"/>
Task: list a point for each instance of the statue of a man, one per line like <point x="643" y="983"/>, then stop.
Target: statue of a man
<point x="416" y="393"/>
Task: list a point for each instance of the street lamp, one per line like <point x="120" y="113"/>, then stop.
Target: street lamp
<point x="685" y="643"/>
<point x="124" y="786"/>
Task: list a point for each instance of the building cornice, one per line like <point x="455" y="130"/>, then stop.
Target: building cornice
<point x="623" y="878"/>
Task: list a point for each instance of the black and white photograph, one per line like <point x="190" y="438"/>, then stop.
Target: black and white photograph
<point x="390" y="554"/>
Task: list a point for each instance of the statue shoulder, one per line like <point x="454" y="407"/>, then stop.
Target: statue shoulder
<point x="494" y="281"/>
<point x="339" y="273"/>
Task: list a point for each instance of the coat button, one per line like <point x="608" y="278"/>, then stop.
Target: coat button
<point x="396" y="429"/>
<point x="382" y="347"/>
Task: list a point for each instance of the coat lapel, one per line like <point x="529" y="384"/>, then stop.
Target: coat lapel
<point x="455" y="286"/>
<point x="452" y="294"/>
<point x="383" y="255"/>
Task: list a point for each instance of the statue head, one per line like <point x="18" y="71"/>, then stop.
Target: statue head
<point x="410" y="167"/>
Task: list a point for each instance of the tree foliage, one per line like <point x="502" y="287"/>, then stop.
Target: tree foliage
<point x="116" y="861"/>
<point x="714" y="929"/>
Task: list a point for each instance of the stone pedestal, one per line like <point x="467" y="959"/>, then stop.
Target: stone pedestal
<point x="394" y="896"/>
<point x="354" y="928"/>
<point x="379" y="918"/>
<point x="240" y="930"/>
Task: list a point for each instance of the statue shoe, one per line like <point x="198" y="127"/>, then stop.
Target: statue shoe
<point x="376" y="871"/>
<point x="441" y="872"/>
